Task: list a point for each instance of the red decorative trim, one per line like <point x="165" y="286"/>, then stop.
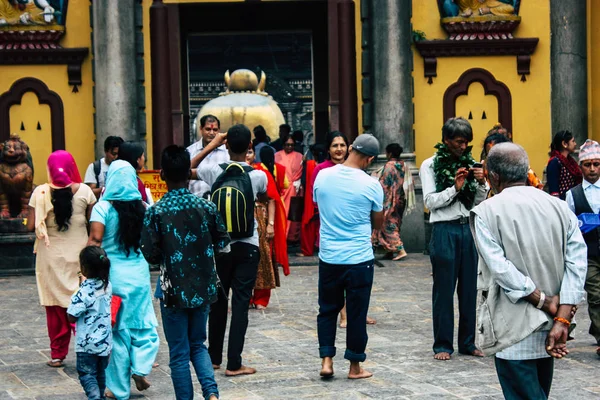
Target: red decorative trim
<point x="73" y="58"/>
<point x="490" y="86"/>
<point x="523" y="48"/>
<point x="45" y="96"/>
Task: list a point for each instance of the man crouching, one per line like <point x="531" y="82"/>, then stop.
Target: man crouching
<point x="532" y="262"/>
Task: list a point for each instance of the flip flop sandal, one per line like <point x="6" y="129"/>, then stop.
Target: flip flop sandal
<point x="55" y="363"/>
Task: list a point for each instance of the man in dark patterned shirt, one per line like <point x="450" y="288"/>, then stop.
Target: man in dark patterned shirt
<point x="184" y="233"/>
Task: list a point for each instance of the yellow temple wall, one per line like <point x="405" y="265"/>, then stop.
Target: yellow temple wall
<point x="530" y="99"/>
<point x="78" y="107"/>
<point x="593" y="26"/>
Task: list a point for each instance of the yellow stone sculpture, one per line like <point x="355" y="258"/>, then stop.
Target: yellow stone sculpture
<point x="245" y="102"/>
<point x="484" y="7"/>
<point x="26" y="12"/>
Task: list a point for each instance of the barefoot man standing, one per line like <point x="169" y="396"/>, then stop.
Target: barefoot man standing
<point x="451" y="187"/>
<point x="350" y="207"/>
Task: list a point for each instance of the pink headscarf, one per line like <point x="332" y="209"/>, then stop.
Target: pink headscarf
<point x="62" y="170"/>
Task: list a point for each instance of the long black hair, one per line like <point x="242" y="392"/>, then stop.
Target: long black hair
<point x="267" y="157"/>
<point x="131" y="217"/>
<point x="329" y="141"/>
<point x="559" y="138"/>
<point x="131" y="152"/>
<point x="62" y="201"/>
<point x="95" y="262"/>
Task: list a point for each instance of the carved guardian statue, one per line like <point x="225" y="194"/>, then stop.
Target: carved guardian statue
<point x="16" y="178"/>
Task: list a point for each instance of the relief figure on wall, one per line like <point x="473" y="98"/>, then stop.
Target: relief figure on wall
<point x="468" y="8"/>
<point x="32" y="12"/>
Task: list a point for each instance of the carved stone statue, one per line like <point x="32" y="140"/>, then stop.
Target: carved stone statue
<point x="16" y="178"/>
<point x="468" y="8"/>
<point x="27" y="12"/>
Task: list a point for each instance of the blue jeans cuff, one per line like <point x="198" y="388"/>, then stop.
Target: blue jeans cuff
<point x="327" y="351"/>
<point x="354" y="357"/>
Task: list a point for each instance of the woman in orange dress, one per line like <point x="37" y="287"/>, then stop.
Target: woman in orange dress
<point x="267" y="277"/>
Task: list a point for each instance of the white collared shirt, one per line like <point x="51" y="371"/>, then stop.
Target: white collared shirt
<point x="442" y="206"/>
<point x="219" y="155"/>
<point x="592" y="195"/>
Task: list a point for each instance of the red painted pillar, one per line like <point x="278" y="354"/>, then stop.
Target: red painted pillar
<point x="162" y="124"/>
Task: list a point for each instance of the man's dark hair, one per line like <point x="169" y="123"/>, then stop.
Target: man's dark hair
<point x="209" y="118"/>
<point x="298" y="136"/>
<point x="130" y="152"/>
<point x="457" y="127"/>
<point x="285" y="128"/>
<point x="495" y="138"/>
<point x="175" y="163"/>
<point x="111" y="142"/>
<point x="394" y="149"/>
<point x="260" y="135"/>
<point x="238" y="139"/>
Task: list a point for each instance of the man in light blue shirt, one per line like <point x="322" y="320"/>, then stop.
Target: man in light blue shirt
<point x="350" y="207"/>
<point x="585" y="198"/>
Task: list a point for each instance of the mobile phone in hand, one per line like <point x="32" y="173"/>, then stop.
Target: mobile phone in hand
<point x="476" y="165"/>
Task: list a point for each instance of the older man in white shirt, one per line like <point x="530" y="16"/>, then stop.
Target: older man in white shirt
<point x="585" y="198"/>
<point x="531" y="275"/>
<point x="208" y="128"/>
<point x="451" y="187"/>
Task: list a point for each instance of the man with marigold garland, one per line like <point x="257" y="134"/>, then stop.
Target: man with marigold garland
<point x="451" y="188"/>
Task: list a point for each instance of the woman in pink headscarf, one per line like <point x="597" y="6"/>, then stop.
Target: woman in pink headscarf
<point x="59" y="212"/>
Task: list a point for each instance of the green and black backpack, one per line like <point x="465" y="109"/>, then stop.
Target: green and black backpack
<point x="233" y="195"/>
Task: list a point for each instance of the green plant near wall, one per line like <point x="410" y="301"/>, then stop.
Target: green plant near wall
<point x="417" y="36"/>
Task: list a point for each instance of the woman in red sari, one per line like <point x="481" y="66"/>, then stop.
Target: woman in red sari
<point x="267" y="277"/>
<point x="292" y="161"/>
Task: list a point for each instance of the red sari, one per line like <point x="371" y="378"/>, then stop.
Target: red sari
<point x="310" y="225"/>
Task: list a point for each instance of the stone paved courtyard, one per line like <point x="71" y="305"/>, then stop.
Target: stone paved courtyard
<point x="282" y="344"/>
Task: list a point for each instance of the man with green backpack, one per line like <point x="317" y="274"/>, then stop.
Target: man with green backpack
<point x="235" y="186"/>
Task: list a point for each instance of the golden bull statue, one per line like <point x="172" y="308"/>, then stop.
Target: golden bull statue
<point x="245" y="102"/>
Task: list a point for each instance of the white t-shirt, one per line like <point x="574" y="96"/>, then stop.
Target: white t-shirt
<point x="210" y="173"/>
<point x="90" y="177"/>
<point x="219" y="155"/>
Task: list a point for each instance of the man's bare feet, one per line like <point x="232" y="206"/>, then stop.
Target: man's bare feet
<point x="216" y="366"/>
<point x="356" y="372"/>
<point x="242" y="371"/>
<point x="141" y="383"/>
<point x="371" y="321"/>
<point x="343" y="318"/>
<point x="442" y="356"/>
<point x="477" y="353"/>
<point x="327" y="367"/>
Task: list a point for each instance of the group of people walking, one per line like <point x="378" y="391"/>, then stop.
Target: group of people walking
<point x="95" y="244"/>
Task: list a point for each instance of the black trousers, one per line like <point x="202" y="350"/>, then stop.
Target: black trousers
<point x="237" y="271"/>
<point x="356" y="281"/>
<point x="454" y="260"/>
<point x="525" y="379"/>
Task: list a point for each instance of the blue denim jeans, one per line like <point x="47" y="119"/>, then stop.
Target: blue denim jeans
<point x="90" y="368"/>
<point x="185" y="331"/>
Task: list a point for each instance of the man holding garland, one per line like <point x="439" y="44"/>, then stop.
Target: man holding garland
<point x="451" y="188"/>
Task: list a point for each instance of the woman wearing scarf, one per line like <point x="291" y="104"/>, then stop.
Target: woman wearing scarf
<point x="268" y="274"/>
<point x="292" y="161"/>
<point x="393" y="176"/>
<point x="562" y="170"/>
<point x="116" y="225"/>
<point x="133" y="153"/>
<point x="59" y="213"/>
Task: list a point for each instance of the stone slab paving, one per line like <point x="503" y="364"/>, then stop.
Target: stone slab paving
<point x="282" y="344"/>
